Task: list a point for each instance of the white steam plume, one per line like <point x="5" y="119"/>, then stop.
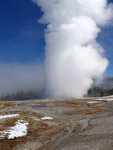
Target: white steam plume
<point x="73" y="56"/>
<point x="15" y="78"/>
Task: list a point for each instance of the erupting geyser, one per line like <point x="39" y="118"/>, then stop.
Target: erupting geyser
<point x="73" y="56"/>
<point x="73" y="59"/>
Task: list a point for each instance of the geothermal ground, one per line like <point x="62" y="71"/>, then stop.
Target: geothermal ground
<point x="81" y="124"/>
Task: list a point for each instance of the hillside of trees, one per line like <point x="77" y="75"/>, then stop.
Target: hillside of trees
<point x="22" y="96"/>
<point x="105" y="88"/>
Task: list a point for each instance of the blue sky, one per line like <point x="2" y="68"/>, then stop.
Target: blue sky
<point x="22" y="38"/>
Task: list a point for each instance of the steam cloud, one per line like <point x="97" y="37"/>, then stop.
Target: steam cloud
<point x="73" y="56"/>
<point x="15" y="78"/>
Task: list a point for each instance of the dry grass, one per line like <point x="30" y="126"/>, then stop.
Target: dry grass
<point x="96" y="112"/>
<point x="71" y="103"/>
<point x="78" y="112"/>
<point x="10" y="121"/>
<point x="87" y="111"/>
<point x="79" y="107"/>
<point x="6" y="104"/>
<point x="37" y="130"/>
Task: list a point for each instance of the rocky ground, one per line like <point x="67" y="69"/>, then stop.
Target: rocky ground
<point x="78" y="124"/>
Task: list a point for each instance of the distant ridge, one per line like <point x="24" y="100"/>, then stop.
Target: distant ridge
<point x="105" y="88"/>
